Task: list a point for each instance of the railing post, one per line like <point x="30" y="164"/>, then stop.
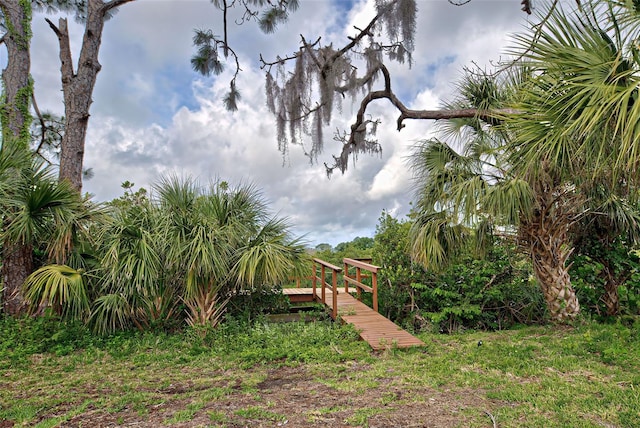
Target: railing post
<point x="334" y="280"/>
<point x="324" y="284"/>
<point x="345" y="274"/>
<point x="374" y="285"/>
<point x="314" y="279"/>
<point x="359" y="279"/>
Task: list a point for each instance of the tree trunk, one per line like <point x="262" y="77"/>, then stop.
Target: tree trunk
<point x="611" y="297"/>
<point x="550" y="268"/>
<point x="17" y="264"/>
<point x="77" y="87"/>
<point x="16" y="79"/>
<point x="15" y="121"/>
<point x="545" y="233"/>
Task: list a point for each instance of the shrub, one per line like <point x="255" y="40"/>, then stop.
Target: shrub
<point x="493" y="292"/>
<point x="589" y="275"/>
<point x="252" y="304"/>
<point x="22" y="337"/>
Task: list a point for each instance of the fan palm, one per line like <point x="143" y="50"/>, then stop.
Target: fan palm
<point x="582" y="113"/>
<point x="190" y="245"/>
<point x="131" y="269"/>
<point x="222" y="241"/>
<point x="581" y="109"/>
<point x="475" y="192"/>
<point x="39" y="212"/>
<point x="17" y="260"/>
<point x="60" y="286"/>
<point x="568" y="159"/>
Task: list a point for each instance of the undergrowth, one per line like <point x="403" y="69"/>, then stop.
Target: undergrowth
<point x="585" y="375"/>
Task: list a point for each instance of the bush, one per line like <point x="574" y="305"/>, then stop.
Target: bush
<point x="251" y="305"/>
<point x="22" y="337"/>
<point x="589" y="275"/>
<point x="494" y="292"/>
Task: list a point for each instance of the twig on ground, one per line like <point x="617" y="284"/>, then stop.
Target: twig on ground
<point x="493" y="419"/>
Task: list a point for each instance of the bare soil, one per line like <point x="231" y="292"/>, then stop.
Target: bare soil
<point x="291" y="397"/>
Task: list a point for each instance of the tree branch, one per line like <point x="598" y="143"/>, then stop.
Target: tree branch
<point x="113" y="4"/>
<point x="225" y="9"/>
<point x="53" y="27"/>
<point x="287" y="58"/>
<point x="41" y="120"/>
<point x="66" y="62"/>
<point x="359" y="127"/>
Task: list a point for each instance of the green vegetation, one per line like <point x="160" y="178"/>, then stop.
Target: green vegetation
<point x="357" y="248"/>
<point x="153" y="263"/>
<point x="151" y="309"/>
<point x="580" y="376"/>
<point x="491" y="292"/>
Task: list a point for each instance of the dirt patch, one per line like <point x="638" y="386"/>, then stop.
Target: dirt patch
<point x="292" y="397"/>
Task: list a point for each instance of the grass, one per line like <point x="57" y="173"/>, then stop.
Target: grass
<point x="320" y="374"/>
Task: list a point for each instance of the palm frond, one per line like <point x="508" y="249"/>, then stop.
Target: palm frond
<point x="270" y="258"/>
<point x="584" y="95"/>
<point x="61" y="287"/>
<point x="110" y="313"/>
<point x="436" y="238"/>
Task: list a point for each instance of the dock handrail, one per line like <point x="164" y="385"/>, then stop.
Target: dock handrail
<point x="357" y="280"/>
<point x="333" y="286"/>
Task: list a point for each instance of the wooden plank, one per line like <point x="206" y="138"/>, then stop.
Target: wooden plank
<point x="374" y="328"/>
<point x="327" y="264"/>
<point x="358" y="284"/>
<point x="361" y="264"/>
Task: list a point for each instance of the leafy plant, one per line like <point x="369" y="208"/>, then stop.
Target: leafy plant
<point x="61" y="287"/>
<point x="601" y="274"/>
<point x="493" y="292"/>
<point x="251" y="305"/>
<point x="177" y="257"/>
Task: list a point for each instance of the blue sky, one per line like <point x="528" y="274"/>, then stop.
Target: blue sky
<point x="153" y="115"/>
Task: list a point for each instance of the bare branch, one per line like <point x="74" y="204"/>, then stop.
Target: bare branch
<point x="225" y="9"/>
<point x="53" y="27"/>
<point x="280" y="61"/>
<point x="66" y="62"/>
<point x="41" y="120"/>
<point x="359" y="127"/>
<point x="114" y="4"/>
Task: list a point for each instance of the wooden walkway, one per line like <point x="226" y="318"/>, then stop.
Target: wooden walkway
<point x="375" y="329"/>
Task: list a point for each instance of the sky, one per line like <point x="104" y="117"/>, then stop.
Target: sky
<point x="153" y="116"/>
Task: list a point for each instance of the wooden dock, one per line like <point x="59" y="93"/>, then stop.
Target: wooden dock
<point x="375" y="329"/>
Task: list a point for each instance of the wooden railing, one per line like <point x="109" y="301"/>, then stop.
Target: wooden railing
<point x="356" y="280"/>
<point x="335" y="270"/>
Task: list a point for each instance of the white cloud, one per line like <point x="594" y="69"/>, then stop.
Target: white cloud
<point x="152" y="115"/>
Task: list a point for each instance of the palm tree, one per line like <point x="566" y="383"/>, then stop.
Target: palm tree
<point x="581" y="115"/>
<point x="38" y="212"/>
<point x="484" y="189"/>
<point x="223" y="241"/>
<point x="189" y="247"/>
<point x="569" y="158"/>
<point x="475" y="193"/>
<point x="130" y="274"/>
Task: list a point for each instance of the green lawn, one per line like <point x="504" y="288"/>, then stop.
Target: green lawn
<point x="320" y="374"/>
